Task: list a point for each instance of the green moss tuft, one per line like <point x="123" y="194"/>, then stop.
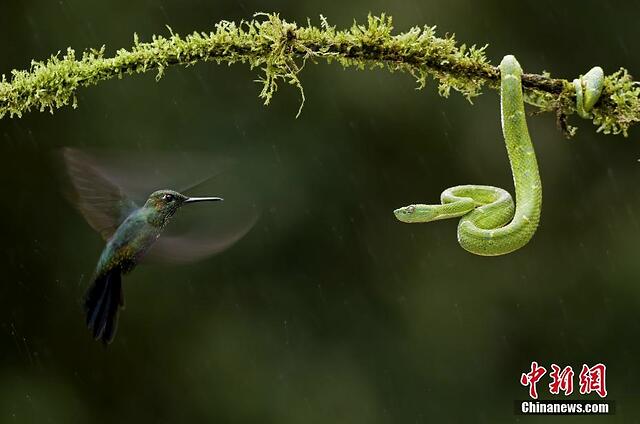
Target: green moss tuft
<point x="619" y="107"/>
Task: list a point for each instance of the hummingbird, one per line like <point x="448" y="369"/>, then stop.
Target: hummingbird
<point x="131" y="232"/>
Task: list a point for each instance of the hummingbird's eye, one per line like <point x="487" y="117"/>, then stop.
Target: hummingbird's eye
<point x="168" y="197"/>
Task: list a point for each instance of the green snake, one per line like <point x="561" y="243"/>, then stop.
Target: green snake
<point x="490" y="223"/>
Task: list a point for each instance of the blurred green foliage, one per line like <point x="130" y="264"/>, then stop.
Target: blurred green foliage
<point x="329" y="310"/>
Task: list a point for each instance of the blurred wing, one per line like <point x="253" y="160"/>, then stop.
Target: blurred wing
<point x="139" y="173"/>
<point x="193" y="247"/>
<point x="102" y="203"/>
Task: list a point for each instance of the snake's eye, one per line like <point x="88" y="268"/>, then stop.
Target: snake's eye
<point x="168" y="197"/>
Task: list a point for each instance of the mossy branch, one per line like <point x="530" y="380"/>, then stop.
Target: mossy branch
<point x="281" y="50"/>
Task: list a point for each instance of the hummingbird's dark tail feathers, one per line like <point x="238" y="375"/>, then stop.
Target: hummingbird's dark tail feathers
<point x="102" y="301"/>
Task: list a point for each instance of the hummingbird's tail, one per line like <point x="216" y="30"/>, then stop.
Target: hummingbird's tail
<point x="102" y="301"/>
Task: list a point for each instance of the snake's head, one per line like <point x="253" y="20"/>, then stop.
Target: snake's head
<point x="416" y="213"/>
<point x="405" y="214"/>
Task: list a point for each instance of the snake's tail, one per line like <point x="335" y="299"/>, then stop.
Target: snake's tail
<point x="588" y="91"/>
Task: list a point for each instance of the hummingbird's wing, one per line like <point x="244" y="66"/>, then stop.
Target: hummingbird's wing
<point x="102" y="203"/>
<point x="107" y="185"/>
<point x="194" y="246"/>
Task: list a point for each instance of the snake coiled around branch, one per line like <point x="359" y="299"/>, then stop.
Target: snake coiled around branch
<point x="490" y="223"/>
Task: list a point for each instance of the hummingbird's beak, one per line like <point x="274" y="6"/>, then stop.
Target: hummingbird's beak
<point x="203" y="199"/>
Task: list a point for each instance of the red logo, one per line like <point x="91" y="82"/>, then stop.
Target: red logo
<point x="592" y="379"/>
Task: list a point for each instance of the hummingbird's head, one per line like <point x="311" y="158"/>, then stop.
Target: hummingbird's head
<point x="167" y="202"/>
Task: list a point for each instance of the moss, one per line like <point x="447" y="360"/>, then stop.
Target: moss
<point x="281" y="49"/>
<point x="619" y="104"/>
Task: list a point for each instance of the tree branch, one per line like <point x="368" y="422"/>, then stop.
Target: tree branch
<point x="281" y="50"/>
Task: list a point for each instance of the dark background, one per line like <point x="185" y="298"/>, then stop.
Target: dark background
<point x="329" y="310"/>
